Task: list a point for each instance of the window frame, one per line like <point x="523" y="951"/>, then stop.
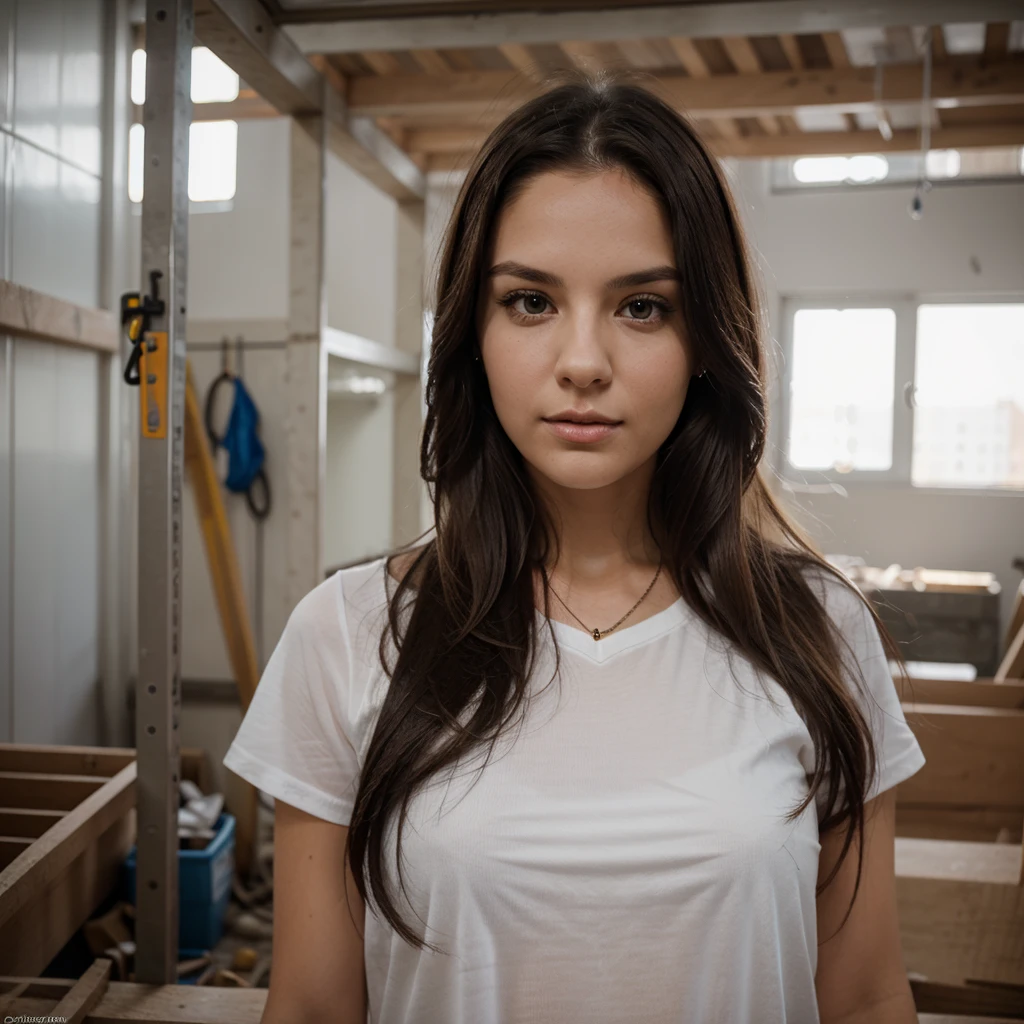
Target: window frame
<point x="905" y="306"/>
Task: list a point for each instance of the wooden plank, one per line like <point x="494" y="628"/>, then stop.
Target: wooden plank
<point x="964" y="81"/>
<point x="953" y="929"/>
<point x="242" y="34"/>
<point x="456" y="145"/>
<point x="698" y="20"/>
<point x="997" y="39"/>
<point x="12" y="847"/>
<point x="37" y="757"/>
<point x="53" y="904"/>
<point x="27" y="313"/>
<point x="745" y="60"/>
<point x="976" y="693"/>
<point x="995" y="863"/>
<point x="975" y="756"/>
<point x="959" y="824"/>
<point x="227" y="587"/>
<point x="986" y="1001"/>
<point x="130" y="1003"/>
<point x="48" y="858"/>
<point x="85" y="994"/>
<point x="1016" y="617"/>
<point x="220" y="550"/>
<point x="27" y="822"/>
<point x="47" y="791"/>
<point x="1012" y="665"/>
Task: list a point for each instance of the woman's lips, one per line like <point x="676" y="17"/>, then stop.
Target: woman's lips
<point x="585" y="433"/>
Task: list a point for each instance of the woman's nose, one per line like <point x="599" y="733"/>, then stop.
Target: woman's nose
<point x="583" y="347"/>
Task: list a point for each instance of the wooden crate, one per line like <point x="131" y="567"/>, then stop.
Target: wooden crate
<point x="959" y="857"/>
<point x="67" y="822"/>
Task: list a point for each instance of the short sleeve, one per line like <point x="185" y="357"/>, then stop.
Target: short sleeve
<point x="295" y="742"/>
<point x="869" y="677"/>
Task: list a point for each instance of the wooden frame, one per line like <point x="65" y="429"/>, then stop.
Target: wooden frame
<point x="27" y="313"/>
<point x="68" y="820"/>
<point x="960" y="889"/>
<point x="318" y="31"/>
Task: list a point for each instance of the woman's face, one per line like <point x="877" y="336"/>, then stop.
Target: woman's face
<point x="580" y="311"/>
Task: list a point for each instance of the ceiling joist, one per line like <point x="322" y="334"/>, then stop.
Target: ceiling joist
<point x="963" y="82"/>
<point x="694" y="21"/>
<point x="241" y="33"/>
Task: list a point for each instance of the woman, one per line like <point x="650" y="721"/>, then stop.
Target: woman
<point x="695" y="824"/>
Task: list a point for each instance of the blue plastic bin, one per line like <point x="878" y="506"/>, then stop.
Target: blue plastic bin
<point x="204" y="887"/>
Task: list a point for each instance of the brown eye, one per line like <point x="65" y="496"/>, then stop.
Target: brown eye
<point x="534" y="304"/>
<point x="641" y="309"/>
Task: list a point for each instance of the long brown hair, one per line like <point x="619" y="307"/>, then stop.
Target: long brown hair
<point x="467" y="648"/>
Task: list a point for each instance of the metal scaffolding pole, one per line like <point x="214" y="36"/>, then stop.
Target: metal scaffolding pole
<point x="161" y="378"/>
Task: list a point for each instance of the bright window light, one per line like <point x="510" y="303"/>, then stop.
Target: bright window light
<point x="212" y="80"/>
<point x="866" y="168"/>
<point x="136" y="145"/>
<point x="841" y="389"/>
<point x="212" y="162"/>
<point x="138" y="77"/>
<point x="969" y="402"/>
<point x="942" y="163"/>
<point x="820" y="170"/>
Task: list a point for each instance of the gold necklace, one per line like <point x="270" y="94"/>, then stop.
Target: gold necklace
<point x="598" y="633"/>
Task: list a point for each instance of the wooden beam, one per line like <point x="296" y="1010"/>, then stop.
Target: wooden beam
<point x="84" y="994"/>
<point x="1012" y="665"/>
<point x="974" y="757"/>
<point x="997" y="39"/>
<point x="961" y="910"/>
<point x="452" y="148"/>
<point x="38" y="757"/>
<point x="963" y="82"/>
<point x="367" y="149"/>
<point x="26" y="313"/>
<point x="978" y="693"/>
<point x="745" y="60"/>
<point x="1016" y="616"/>
<point x="242" y="34"/>
<point x="698" y="20"/>
<point x="50" y="889"/>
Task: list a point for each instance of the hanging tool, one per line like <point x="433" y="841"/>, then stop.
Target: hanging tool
<point x="246" y="454"/>
<point x="149" y="362"/>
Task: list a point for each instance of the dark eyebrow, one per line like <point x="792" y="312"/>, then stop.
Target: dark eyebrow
<point x="513" y="269"/>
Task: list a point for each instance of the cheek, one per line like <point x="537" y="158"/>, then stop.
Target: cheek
<point x="656" y="390"/>
<point x="515" y="376"/>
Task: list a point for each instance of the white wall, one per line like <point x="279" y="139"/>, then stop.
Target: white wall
<point x="863" y="242"/>
<point x="51" y="461"/>
<point x="238" y="279"/>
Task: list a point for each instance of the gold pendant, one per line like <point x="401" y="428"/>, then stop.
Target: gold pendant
<point x="597" y="634"/>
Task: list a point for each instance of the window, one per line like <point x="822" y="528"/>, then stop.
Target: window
<point x="941" y="165"/>
<point x="969" y="396"/>
<point x="213" y="145"/>
<point x="926" y="394"/>
<point x="840" y="407"/>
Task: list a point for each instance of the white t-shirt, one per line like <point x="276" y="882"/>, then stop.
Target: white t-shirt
<point x="623" y="856"/>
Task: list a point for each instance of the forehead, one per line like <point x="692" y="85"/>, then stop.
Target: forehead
<point x="599" y="219"/>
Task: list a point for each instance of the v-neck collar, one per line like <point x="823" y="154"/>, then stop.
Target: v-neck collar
<point x="581" y="642"/>
<point x="618" y="640"/>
